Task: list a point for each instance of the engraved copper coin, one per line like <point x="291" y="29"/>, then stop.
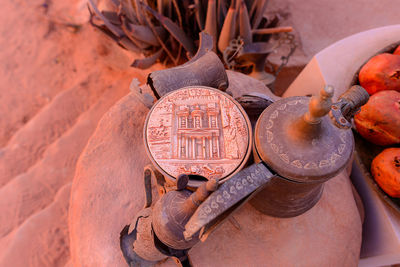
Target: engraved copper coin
<point x="198" y="130"/>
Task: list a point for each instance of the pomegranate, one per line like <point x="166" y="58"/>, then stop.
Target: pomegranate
<point x="382" y="72"/>
<point x="385" y="169"/>
<point x="397" y="51"/>
<point x="379" y="119"/>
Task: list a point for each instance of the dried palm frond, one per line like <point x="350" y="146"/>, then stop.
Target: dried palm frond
<point x="168" y="30"/>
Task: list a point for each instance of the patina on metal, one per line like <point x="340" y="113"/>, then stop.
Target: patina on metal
<point x="157" y="232"/>
<point x="199" y="131"/>
<point x="204" y="69"/>
<point x="348" y="105"/>
<point x="296" y="139"/>
<point x="298" y="148"/>
<point x="229" y="197"/>
<point x="172" y="212"/>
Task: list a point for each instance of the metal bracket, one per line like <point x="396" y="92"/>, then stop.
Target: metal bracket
<point x="349" y="104"/>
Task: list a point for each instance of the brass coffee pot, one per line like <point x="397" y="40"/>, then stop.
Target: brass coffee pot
<point x="297" y="148"/>
<point x="299" y="143"/>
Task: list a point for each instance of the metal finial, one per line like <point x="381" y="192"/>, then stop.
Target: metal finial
<point x="319" y="105"/>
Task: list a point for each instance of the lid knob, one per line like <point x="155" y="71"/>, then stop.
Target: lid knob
<point x="319" y="106"/>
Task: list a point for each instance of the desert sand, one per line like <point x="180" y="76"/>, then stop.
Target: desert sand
<point x="57" y="82"/>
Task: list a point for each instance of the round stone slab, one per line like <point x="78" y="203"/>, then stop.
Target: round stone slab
<point x="198" y="130"/>
<point x="311" y="159"/>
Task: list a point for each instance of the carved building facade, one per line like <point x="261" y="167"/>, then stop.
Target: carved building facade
<point x="198" y="132"/>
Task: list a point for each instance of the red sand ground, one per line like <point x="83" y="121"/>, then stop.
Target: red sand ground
<point x="56" y="83"/>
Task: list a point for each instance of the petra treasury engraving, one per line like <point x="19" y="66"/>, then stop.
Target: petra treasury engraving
<point x="198" y="130"/>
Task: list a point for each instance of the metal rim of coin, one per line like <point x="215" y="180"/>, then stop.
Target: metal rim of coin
<point x="198" y="145"/>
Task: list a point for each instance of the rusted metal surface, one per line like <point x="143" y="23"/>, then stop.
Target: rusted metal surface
<point x="297" y="148"/>
<point x="172" y="212"/>
<point x="301" y="149"/>
<point x="228" y="194"/>
<point x="199" y="131"/>
<point x="204" y="68"/>
<point x="207" y="71"/>
<point x="296" y="139"/>
<point x="137" y="241"/>
<point x="285" y="198"/>
<point x="301" y="145"/>
<point x="157" y="232"/>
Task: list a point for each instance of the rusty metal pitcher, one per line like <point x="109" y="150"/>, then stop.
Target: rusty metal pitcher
<point x="297" y="147"/>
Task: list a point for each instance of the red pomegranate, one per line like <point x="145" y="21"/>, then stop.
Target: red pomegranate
<point x="379" y="119"/>
<point x="397" y="51"/>
<point x="386" y="171"/>
<point x="382" y="72"/>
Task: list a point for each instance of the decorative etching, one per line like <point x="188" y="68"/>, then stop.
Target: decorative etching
<point x="324" y="163"/>
<point x="216" y="205"/>
<point x="341" y="148"/>
<point x="297" y="163"/>
<point x="335" y="157"/>
<point x="197" y="131"/>
<point x="269" y="124"/>
<point x="274" y="115"/>
<point x="233" y="190"/>
<point x="275" y="148"/>
<point x="332" y="158"/>
<point x="284" y="157"/>
<point x="226" y="195"/>
<point x="282" y="107"/>
<point x="311" y="165"/>
<point x="270" y="136"/>
<point x="343" y="136"/>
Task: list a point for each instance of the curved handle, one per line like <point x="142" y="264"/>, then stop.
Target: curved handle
<point x="237" y="188"/>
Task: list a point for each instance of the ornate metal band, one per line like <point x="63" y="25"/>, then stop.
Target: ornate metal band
<point x="228" y="194"/>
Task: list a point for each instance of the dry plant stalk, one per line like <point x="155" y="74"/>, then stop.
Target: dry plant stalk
<point x="168" y="30"/>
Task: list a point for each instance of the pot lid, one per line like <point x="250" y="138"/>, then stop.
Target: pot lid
<point x="296" y="139"/>
<point x="198" y="130"/>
